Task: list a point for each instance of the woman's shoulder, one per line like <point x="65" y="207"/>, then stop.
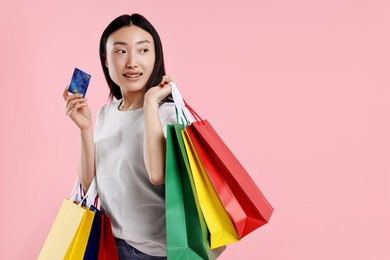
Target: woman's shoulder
<point x="167" y="113"/>
<point x="106" y="108"/>
<point x="167" y="107"/>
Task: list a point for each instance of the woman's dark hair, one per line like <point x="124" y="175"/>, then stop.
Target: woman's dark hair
<point x="159" y="67"/>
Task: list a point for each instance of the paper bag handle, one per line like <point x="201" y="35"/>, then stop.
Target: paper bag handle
<point x="184" y="116"/>
<point x="90" y="198"/>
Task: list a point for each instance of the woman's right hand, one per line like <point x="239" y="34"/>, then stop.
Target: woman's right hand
<point x="77" y="109"/>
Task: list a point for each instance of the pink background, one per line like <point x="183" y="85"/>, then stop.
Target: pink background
<point x="299" y="90"/>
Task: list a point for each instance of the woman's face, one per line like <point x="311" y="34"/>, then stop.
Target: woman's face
<point x="130" y="57"/>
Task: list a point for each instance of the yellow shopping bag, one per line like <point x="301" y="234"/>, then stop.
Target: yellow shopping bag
<point x="68" y="237"/>
<point x="221" y="228"/>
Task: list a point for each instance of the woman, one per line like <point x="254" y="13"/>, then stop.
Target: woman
<point x="127" y="151"/>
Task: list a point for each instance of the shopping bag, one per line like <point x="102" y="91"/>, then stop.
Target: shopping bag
<point x="101" y="242"/>
<point x="92" y="250"/>
<point x="242" y="199"/>
<point x="104" y="239"/>
<point x="220" y="226"/>
<point x="75" y="231"/>
<point x="187" y="235"/>
<point x="69" y="234"/>
<point x="107" y="250"/>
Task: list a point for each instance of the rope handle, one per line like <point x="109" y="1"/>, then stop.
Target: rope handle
<point x="194" y="114"/>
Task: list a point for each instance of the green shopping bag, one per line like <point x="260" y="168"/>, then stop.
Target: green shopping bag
<point x="187" y="234"/>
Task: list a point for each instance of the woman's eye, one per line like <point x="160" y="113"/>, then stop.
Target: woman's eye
<point x="144" y="50"/>
<point x="120" y="51"/>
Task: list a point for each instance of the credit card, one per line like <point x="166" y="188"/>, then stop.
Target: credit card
<point x="79" y="83"/>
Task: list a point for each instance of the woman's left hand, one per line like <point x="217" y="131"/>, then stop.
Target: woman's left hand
<point x="157" y="93"/>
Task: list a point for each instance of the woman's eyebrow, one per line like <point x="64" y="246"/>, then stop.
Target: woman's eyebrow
<point x="142" y="42"/>
<point x="137" y="43"/>
<point x="119" y="43"/>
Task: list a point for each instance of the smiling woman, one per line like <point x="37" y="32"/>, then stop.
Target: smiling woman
<point x="126" y="154"/>
<point x="130" y="57"/>
<point x="151" y="37"/>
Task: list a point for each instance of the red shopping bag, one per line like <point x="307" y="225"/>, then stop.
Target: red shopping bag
<point x="107" y="250"/>
<point x="242" y="199"/>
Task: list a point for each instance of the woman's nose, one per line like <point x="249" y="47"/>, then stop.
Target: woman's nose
<point x="131" y="62"/>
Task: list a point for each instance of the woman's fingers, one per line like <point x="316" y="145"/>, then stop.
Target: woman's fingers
<point x="165" y="83"/>
<point x="166" y="79"/>
<point x="76" y="108"/>
<point x="168" y="88"/>
<point x="65" y="95"/>
<point x="70" y="110"/>
<point x="74" y="102"/>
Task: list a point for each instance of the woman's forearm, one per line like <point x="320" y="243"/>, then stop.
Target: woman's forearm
<point x="87" y="160"/>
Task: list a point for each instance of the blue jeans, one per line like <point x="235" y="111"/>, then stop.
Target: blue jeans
<point x="127" y="252"/>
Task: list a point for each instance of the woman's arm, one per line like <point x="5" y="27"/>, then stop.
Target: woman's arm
<point x="154" y="139"/>
<point x="154" y="145"/>
<point x="87" y="160"/>
<point x="77" y="109"/>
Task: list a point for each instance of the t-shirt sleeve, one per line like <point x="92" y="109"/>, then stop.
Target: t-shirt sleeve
<point x="167" y="115"/>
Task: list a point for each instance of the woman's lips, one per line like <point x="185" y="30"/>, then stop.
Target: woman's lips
<point x="132" y="75"/>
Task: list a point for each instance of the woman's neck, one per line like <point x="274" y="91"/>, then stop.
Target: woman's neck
<point x="131" y="101"/>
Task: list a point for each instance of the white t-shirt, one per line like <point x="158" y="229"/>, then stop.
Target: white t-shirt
<point x="136" y="206"/>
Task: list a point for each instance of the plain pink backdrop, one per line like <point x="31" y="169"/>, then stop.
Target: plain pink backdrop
<point x="299" y="90"/>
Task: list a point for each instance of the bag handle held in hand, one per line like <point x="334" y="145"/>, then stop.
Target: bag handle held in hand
<point x="184" y="116"/>
<point x="90" y="198"/>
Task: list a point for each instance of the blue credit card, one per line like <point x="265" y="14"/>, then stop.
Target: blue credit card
<point x="79" y="83"/>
